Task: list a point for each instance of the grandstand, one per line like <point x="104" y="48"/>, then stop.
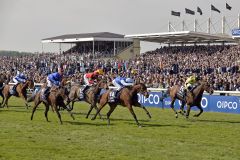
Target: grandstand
<point x="184" y="37"/>
<point x="106" y="43"/>
<point x="125" y="47"/>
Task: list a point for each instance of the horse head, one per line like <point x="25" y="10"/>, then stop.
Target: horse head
<point x="63" y="92"/>
<point x="30" y="83"/>
<point x="207" y="87"/>
<point x="141" y="88"/>
<point x="65" y="81"/>
<point x="102" y="84"/>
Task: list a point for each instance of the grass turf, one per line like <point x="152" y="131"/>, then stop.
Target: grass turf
<point x="211" y="136"/>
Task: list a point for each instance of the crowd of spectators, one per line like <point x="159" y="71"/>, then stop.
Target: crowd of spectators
<point x="101" y="49"/>
<point x="160" y="68"/>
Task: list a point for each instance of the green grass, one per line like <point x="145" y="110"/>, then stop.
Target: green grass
<point x="211" y="136"/>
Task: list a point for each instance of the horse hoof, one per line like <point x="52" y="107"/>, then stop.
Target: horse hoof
<point x="139" y="126"/>
<point x="176" y="116"/>
<point x="149" y="116"/>
<point x="195" y="115"/>
<point x="93" y="118"/>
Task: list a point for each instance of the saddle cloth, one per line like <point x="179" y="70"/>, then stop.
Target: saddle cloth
<point x="181" y="91"/>
<point x="114" y="95"/>
<point x="12" y="91"/>
<point x="81" y="93"/>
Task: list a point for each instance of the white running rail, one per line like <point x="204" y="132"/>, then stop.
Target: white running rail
<point x="162" y="89"/>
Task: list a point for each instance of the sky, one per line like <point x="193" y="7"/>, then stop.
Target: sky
<point x="23" y="23"/>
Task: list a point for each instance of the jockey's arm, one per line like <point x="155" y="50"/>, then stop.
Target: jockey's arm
<point x="126" y="84"/>
<point x="21" y="80"/>
<point x="91" y="82"/>
<point x="57" y="83"/>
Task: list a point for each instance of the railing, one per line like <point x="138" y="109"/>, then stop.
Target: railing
<point x="162" y="90"/>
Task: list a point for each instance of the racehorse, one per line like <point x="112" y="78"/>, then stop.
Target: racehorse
<point x="128" y="97"/>
<point x="90" y="94"/>
<point x="4" y="79"/>
<point x="21" y="91"/>
<point x="57" y="98"/>
<point x="192" y="99"/>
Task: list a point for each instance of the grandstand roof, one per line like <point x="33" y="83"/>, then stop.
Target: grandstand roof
<point x="73" y="38"/>
<point x="186" y="37"/>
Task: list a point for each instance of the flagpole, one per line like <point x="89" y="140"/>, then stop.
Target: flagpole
<point x="238" y="21"/>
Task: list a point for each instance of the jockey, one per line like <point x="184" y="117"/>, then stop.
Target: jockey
<point x="89" y="79"/>
<point x="53" y="79"/>
<point x="189" y="83"/>
<point x="120" y="82"/>
<point x="19" y="78"/>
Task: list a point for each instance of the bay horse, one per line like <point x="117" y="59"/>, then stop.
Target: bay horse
<point x="192" y="99"/>
<point x="4" y="79"/>
<point x="90" y="95"/>
<point x="21" y="91"/>
<point x="128" y="97"/>
<point x="57" y="98"/>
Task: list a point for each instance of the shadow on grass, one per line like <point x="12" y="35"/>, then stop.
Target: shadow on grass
<point x="129" y="120"/>
<point x="86" y="123"/>
<point x="153" y="125"/>
<point x="217" y="121"/>
<point x="20" y="109"/>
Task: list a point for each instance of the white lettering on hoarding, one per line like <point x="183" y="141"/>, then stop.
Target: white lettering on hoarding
<point x="225" y="104"/>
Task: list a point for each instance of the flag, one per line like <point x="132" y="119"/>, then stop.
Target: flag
<point x="175" y="13"/>
<point x="213" y="8"/>
<point x="228" y="7"/>
<point x="199" y="10"/>
<point x="188" y="11"/>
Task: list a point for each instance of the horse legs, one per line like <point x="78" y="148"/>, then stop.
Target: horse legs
<point x="90" y="110"/>
<point x="112" y="108"/>
<point x="5" y="103"/>
<point x="133" y="114"/>
<point x="71" y="114"/>
<point x="182" y="111"/>
<point x="58" y="114"/>
<point x="68" y="110"/>
<point x="96" y="108"/>
<point x="101" y="105"/>
<point x="188" y="110"/>
<point x="172" y="106"/>
<point x="201" y="110"/>
<point x="144" y="108"/>
<point x="24" y="97"/>
<point x="2" y="101"/>
<point x="46" y="112"/>
<point x="34" y="108"/>
<point x="73" y="104"/>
